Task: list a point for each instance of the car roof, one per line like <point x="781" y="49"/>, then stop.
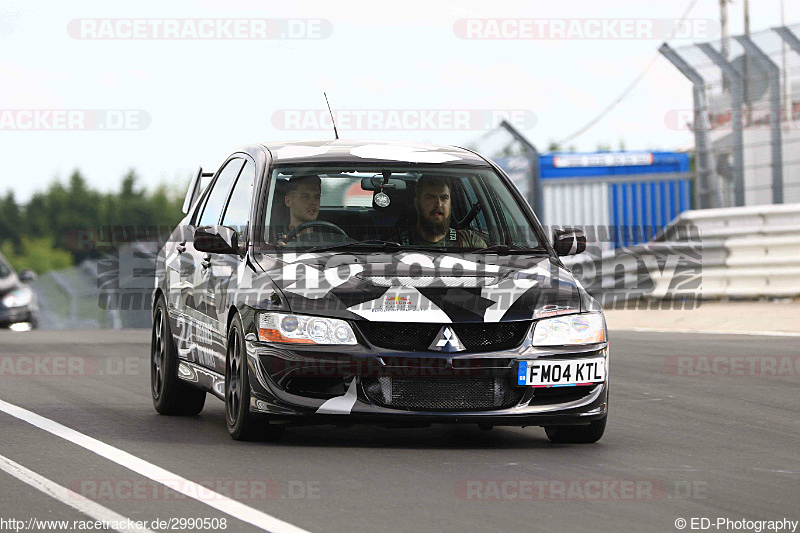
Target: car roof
<point x="370" y="151"/>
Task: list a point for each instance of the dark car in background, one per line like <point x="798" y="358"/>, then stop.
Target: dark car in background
<point x="374" y="282"/>
<point x="19" y="308"/>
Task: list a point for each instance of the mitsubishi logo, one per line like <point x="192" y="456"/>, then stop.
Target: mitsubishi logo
<point x="446" y="341"/>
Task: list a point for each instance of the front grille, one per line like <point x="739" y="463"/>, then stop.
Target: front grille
<point x="442" y="393"/>
<point x="417" y="337"/>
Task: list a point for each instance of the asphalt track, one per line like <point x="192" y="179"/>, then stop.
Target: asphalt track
<point x="677" y="446"/>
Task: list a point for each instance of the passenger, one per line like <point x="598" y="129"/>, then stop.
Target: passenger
<point x="432" y="203"/>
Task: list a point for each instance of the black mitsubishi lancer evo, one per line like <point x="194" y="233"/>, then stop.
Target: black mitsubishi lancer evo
<point x="341" y="282"/>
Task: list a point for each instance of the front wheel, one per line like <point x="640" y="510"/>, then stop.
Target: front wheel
<point x="171" y="396"/>
<point x="242" y="424"/>
<point x="577" y="434"/>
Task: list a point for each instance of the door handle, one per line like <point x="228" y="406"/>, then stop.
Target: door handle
<point x="181" y="247"/>
<point x="206" y="262"/>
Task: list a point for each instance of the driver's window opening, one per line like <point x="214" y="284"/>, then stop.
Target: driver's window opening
<point x="455" y="208"/>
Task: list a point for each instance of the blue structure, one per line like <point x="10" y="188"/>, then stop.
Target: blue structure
<point x="627" y="196"/>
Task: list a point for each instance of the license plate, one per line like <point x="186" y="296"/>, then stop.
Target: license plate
<point x="561" y="373"/>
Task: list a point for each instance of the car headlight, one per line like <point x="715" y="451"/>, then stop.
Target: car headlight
<point x="587" y="328"/>
<point x="282" y="327"/>
<point x="18" y="298"/>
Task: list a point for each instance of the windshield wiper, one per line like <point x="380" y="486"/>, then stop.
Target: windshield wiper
<point x="504" y="249"/>
<point x="387" y="246"/>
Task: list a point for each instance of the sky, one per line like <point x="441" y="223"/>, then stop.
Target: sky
<point x="188" y="102"/>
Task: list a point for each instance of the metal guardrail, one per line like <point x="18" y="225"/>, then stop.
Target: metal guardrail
<point x="750" y="220"/>
<point x="740" y="252"/>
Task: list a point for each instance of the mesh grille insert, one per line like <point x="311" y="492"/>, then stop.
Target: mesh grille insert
<point x="442" y="393"/>
<point x="476" y="337"/>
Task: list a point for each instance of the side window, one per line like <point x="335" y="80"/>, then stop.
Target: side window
<point x="237" y="213"/>
<point x="521" y="233"/>
<point x="219" y="192"/>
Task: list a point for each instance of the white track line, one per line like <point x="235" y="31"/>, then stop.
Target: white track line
<point x="190" y="489"/>
<point x="711" y="332"/>
<point x="67" y="497"/>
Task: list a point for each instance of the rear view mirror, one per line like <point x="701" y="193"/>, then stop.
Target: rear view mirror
<point x="569" y="241"/>
<point x="376" y="183"/>
<point x="216" y="240"/>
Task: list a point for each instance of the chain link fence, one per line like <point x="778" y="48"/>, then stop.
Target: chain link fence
<point x="746" y="117"/>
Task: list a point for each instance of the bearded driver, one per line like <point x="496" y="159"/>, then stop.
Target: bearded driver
<point x="432" y="202"/>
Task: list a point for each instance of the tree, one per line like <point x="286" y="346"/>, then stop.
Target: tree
<point x="80" y="213"/>
<point x="53" y="219"/>
<point x="10" y="220"/>
<point x="38" y="254"/>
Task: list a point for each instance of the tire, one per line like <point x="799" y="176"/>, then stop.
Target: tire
<point x="242" y="424"/>
<point x="171" y="396"/>
<point x="577" y="434"/>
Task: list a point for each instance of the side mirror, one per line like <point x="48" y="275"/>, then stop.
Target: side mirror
<point x="26" y="275"/>
<point x="216" y="240"/>
<point x="569" y="241"/>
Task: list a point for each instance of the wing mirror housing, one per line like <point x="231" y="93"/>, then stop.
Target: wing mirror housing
<point x="216" y="240"/>
<point x="569" y="241"/>
<point x="26" y="275"/>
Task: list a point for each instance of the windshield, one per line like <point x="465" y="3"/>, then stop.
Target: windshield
<point x="457" y="209"/>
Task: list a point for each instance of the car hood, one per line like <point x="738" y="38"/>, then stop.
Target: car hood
<point x="412" y="286"/>
<point x="8" y="284"/>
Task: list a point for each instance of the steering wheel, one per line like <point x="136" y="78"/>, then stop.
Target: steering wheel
<point x="327" y="226"/>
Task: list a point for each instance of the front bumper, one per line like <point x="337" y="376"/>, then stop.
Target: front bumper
<point x="13" y="315"/>
<point x="309" y="385"/>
